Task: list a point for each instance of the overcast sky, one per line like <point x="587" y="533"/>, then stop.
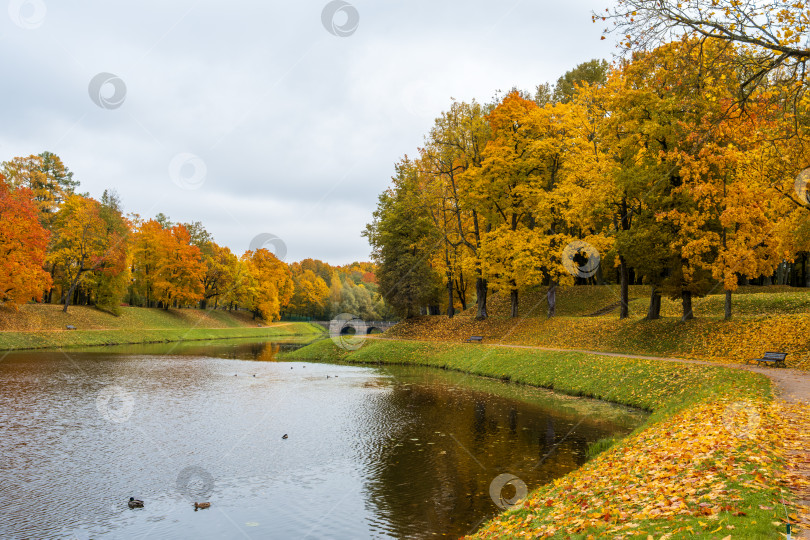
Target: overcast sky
<point x="265" y="117"/>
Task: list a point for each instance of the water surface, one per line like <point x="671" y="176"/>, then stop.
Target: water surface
<point x="389" y="452"/>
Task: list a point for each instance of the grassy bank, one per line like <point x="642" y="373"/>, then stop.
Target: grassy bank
<point x="706" y="464"/>
<point x="10" y="341"/>
<point x="763" y="321"/>
<point x="44" y="326"/>
<point x="43" y="317"/>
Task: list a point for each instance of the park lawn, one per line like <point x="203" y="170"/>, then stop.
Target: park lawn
<point x="736" y="340"/>
<point x="10" y="341"/>
<point x="39" y="326"/>
<point x="707" y="463"/>
<point x="43" y="317"/>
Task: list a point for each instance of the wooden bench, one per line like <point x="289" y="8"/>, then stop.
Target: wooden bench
<point x="476" y="339"/>
<point x="775" y="358"/>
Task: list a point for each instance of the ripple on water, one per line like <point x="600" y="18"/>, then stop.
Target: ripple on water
<point x="370" y="454"/>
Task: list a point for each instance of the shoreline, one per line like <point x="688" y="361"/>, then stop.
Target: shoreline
<point x="12" y="341"/>
<point x="692" y="427"/>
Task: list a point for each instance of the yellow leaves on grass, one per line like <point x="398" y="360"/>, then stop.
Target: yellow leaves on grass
<point x="689" y="466"/>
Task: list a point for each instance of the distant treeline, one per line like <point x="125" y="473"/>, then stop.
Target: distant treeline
<point x="60" y="246"/>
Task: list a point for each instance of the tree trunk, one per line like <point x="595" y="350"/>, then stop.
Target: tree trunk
<point x="203" y="303"/>
<point x="654" y="312"/>
<point x="450" y="308"/>
<point x="551" y="295"/>
<point x="461" y="289"/>
<point x="686" y="302"/>
<point x="71" y="291"/>
<point x="461" y="297"/>
<point x="513" y="296"/>
<point x="481" y="300"/>
<point x="624" y="312"/>
<point x="728" y="306"/>
<point x="50" y="291"/>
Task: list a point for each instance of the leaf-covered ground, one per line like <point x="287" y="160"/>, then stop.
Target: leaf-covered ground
<point x="705" y="338"/>
<point x="710" y="471"/>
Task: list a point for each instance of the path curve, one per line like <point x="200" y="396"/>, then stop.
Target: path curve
<point x="792" y="385"/>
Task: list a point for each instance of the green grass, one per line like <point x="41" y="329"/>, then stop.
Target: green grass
<point x="596" y="448"/>
<point x="88" y="338"/>
<point x="661" y="387"/>
<point x="670" y="390"/>
<point x="40" y="317"/>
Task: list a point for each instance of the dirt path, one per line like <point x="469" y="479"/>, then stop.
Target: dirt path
<point x="791" y="385"/>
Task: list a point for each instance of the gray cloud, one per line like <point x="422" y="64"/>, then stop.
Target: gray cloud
<point x="298" y="128"/>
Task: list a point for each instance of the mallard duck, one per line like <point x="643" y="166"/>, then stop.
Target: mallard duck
<point x="284" y="436"/>
<point x="135" y="503"/>
<point x="201" y="505"/>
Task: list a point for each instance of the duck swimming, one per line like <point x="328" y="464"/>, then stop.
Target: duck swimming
<point x="135" y="503"/>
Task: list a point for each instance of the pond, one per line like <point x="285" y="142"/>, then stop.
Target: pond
<point x="381" y="452"/>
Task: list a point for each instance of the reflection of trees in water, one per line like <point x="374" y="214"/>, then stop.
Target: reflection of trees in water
<point x="268" y="352"/>
<point x="439" y="483"/>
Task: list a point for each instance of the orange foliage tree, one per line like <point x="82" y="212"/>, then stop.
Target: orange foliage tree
<point x="270" y="286"/>
<point x="23" y="241"/>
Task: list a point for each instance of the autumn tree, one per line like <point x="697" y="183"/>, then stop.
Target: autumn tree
<point x="770" y="37"/>
<point x="776" y="28"/>
<point x="167" y="267"/>
<point x="270" y="285"/>
<point x="311" y="294"/>
<point x="111" y="278"/>
<point x="499" y="187"/>
<point x="81" y="244"/>
<point x="46" y="176"/>
<point x="591" y="73"/>
<point x="403" y="239"/>
<point x="453" y="151"/>
<point x="23" y="241"/>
